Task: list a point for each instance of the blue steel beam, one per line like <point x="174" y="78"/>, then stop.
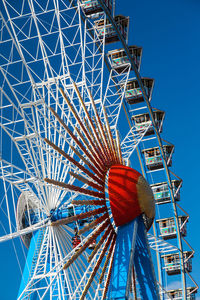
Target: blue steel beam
<point x="30" y="259"/>
<point x="143" y="265"/>
<point x="132" y="248"/>
<point x="122" y="265"/>
<point x="34" y="250"/>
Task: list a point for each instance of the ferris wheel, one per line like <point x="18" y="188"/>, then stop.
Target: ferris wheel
<point x="76" y="117"/>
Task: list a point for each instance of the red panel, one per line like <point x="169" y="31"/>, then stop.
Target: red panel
<point x="122" y="192"/>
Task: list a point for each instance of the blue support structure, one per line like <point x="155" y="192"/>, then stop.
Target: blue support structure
<point x="30" y="259"/>
<point x="29" y="269"/>
<point x="124" y="250"/>
<point x="132" y="248"/>
<point x="33" y="252"/>
<point x="144" y="267"/>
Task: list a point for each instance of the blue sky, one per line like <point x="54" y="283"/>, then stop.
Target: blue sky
<point x="168" y="31"/>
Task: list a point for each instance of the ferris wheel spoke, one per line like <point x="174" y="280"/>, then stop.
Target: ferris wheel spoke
<point x="75" y="188"/>
<point x="42" y="257"/>
<point x="108" y="278"/>
<point x="101" y="144"/>
<point x="96" y="266"/>
<point x="35" y="144"/>
<point x="87" y="151"/>
<point x="54" y="281"/>
<point x="83" y="128"/>
<point x="109" y="255"/>
<point x="85" y="131"/>
<point x="53" y="163"/>
<point x="44" y="265"/>
<point x="66" y="246"/>
<point x="55" y="194"/>
<point x="25" y="231"/>
<point x="74" y="272"/>
<point x="81" y="284"/>
<point x="97" y="231"/>
<point x="114" y="94"/>
<point x="87" y="243"/>
<point x="58" y="238"/>
<point x="97" y="116"/>
<point x="61" y="278"/>
<point x="131" y="140"/>
<point x="70" y="159"/>
<point x="107" y="232"/>
<point x="105" y="272"/>
<point x="70" y="254"/>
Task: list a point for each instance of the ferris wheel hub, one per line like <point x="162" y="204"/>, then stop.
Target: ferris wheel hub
<point x="58" y="214"/>
<point x="129" y="195"/>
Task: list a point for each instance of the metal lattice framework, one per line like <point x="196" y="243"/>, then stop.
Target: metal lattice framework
<point x="62" y="99"/>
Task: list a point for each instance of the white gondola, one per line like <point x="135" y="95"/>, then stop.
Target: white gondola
<point x="133" y="93"/>
<point x="153" y="157"/>
<point x="168" y="228"/>
<point x="92" y="7"/>
<point x="142" y="122"/>
<point x="162" y="193"/>
<point x="119" y="60"/>
<point x="172" y="262"/>
<point x="110" y="33"/>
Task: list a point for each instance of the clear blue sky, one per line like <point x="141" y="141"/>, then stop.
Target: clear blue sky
<point x="168" y="31"/>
